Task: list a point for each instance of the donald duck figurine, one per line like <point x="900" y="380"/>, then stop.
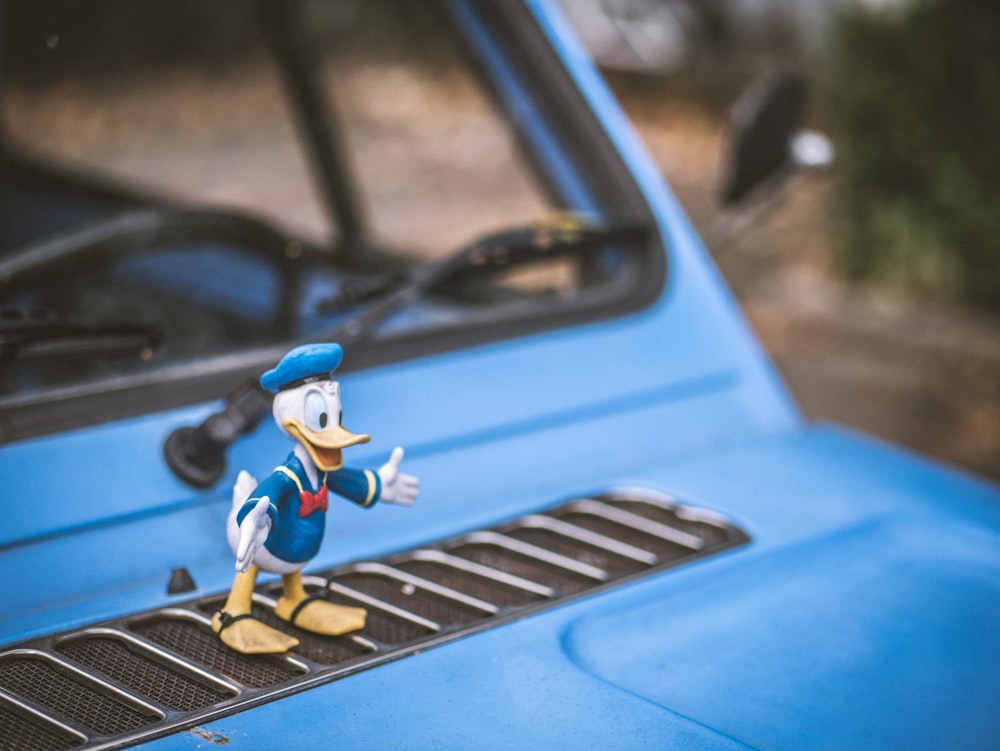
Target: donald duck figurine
<point x="277" y="525"/>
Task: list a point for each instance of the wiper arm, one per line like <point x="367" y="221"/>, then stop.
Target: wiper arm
<point x="486" y="256"/>
<point x="198" y="454"/>
<point x="31" y="335"/>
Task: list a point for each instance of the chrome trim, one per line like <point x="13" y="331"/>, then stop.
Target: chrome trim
<point x="384" y="606"/>
<point x="539" y="554"/>
<point x="43" y="714"/>
<point x="157" y="653"/>
<point x="640" y="523"/>
<point x="95" y="682"/>
<point x="478" y="569"/>
<point x="182" y="614"/>
<point x="382" y="569"/>
<point x="363" y="642"/>
<point x="190" y="615"/>
<point x="559" y="527"/>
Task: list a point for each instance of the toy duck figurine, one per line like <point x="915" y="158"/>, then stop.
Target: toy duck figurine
<point x="277" y="526"/>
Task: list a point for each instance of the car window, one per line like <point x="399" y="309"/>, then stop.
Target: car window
<point x="200" y="180"/>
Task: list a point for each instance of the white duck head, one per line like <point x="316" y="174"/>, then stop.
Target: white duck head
<point x="307" y="403"/>
<point x="311" y="414"/>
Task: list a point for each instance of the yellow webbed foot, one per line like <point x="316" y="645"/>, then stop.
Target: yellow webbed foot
<point x="320" y="616"/>
<point x="251" y="637"/>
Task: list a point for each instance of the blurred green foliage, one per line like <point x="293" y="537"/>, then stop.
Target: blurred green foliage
<point x="915" y="97"/>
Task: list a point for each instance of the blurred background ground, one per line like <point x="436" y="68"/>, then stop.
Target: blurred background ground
<point x="876" y="287"/>
<point x="918" y="372"/>
<point x="914" y="365"/>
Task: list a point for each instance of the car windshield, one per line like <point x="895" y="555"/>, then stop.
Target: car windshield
<point x="187" y="187"/>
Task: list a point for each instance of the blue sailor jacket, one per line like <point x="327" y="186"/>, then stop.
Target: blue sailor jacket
<point x="293" y="537"/>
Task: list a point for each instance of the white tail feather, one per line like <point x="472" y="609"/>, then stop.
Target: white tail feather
<point x="242" y="488"/>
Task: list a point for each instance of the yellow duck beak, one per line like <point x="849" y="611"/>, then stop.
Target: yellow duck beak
<point x="324" y="446"/>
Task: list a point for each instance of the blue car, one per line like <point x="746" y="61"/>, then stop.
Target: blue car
<point x="625" y="533"/>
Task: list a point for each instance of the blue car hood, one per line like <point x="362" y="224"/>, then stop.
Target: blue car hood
<point x="863" y="614"/>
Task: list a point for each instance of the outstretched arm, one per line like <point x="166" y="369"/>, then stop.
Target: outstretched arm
<point x="397" y="487"/>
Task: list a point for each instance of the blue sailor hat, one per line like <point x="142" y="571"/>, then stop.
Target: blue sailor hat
<point x="310" y="362"/>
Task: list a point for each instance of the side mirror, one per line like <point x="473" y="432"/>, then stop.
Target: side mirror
<point x="764" y="150"/>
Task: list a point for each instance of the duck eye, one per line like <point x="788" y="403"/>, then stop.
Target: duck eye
<point x="316" y="417"/>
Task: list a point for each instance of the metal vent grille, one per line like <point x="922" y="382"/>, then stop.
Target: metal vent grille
<point x="22" y="732"/>
<point x="81" y="702"/>
<point x="196" y="642"/>
<point x="143" y="676"/>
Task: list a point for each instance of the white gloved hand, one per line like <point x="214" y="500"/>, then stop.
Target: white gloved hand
<point x="397" y="487"/>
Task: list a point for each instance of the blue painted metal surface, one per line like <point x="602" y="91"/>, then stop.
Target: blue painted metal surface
<point x="863" y="615"/>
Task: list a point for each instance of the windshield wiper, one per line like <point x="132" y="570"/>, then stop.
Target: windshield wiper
<point x="32" y="335"/>
<point x="198" y="454"/>
<point x="486" y="256"/>
<point x="135" y="232"/>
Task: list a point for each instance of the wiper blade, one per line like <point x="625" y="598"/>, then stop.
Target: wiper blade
<point x="32" y="335"/>
<point x="197" y="454"/>
<point x="488" y="255"/>
<point x="134" y="232"/>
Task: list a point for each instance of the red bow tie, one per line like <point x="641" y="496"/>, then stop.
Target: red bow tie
<point x="312" y="501"/>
